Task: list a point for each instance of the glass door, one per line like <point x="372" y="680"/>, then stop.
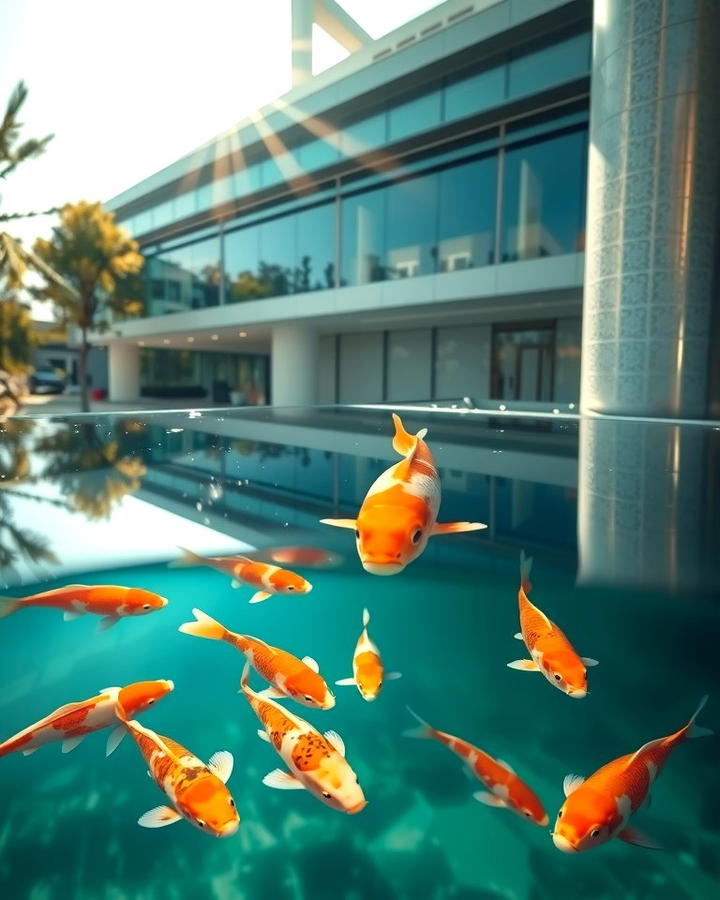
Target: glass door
<point x="523" y="357"/>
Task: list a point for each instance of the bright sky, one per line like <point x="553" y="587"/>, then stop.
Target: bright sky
<point x="128" y="88"/>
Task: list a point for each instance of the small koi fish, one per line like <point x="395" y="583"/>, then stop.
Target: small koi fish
<point x="107" y="600"/>
<point x="399" y="512"/>
<point x="368" y="671"/>
<point x="298" y="679"/>
<point x="505" y="789"/>
<point x="551" y="652"/>
<point x="597" y="809"/>
<point x="72" y="722"/>
<point x="307" y="557"/>
<point x="268" y="578"/>
<point x="196" y="791"/>
<point x="316" y="762"/>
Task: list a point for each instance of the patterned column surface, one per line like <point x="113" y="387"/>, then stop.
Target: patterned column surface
<point x="653" y="187"/>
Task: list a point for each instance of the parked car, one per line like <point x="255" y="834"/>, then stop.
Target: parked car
<point x="45" y="381"/>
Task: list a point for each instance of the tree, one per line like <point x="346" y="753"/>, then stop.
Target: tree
<point x="98" y="259"/>
<point x="17" y="336"/>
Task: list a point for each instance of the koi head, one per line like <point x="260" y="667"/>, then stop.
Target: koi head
<point x="286" y="582"/>
<point x="137" y="697"/>
<point x="209" y="805"/>
<point x="527" y="805"/>
<point x="566" y="671"/>
<point x="336" y="785"/>
<point x="584" y="821"/>
<point x="388" y="538"/>
<point x="139" y="602"/>
<point x="310" y="689"/>
<point x="368" y="675"/>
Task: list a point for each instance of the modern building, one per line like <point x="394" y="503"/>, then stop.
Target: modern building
<point x="409" y="225"/>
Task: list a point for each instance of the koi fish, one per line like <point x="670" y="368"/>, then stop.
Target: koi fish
<point x="298" y="679"/>
<point x="597" y="809"/>
<point x="316" y="762"/>
<point x="196" y="791"/>
<point x="308" y="557"/>
<point x="399" y="512"/>
<point x="107" y="600"/>
<point x="269" y="579"/>
<point x="504" y="788"/>
<point x="551" y="652"/>
<point x="368" y="669"/>
<point x="72" y="722"/>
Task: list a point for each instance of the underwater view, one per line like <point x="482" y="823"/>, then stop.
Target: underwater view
<point x="552" y="609"/>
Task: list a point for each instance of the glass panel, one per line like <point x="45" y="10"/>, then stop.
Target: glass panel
<point x="522" y="363"/>
<point x="242" y="266"/>
<point x="550" y="65"/>
<point x="414" y="116"/>
<point x="411" y="234"/>
<point x="315" y="252"/>
<point x="184" y="278"/>
<point x="166" y="368"/>
<point x="246" y="181"/>
<point x="184" y="205"/>
<point x="544" y="198"/>
<point x="363" y="237"/>
<point x="162" y="214"/>
<point x="361" y="368"/>
<point x="277" y="268"/>
<point x="203" y="197"/>
<point x="318" y="153"/>
<point x="462" y="362"/>
<point x="409" y="365"/>
<point x="480" y="91"/>
<point x="468" y="198"/>
<point x="362" y="136"/>
<point x="143" y="222"/>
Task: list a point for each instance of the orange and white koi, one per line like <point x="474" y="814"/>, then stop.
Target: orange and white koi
<point x="551" y="652"/>
<point x="316" y="762"/>
<point x="107" y="600"/>
<point x="308" y="557"/>
<point x="505" y="789"/>
<point x="196" y="791"/>
<point x="72" y="722"/>
<point x="399" y="512"/>
<point x="597" y="809"/>
<point x="298" y="679"/>
<point x="267" y="578"/>
<point x="368" y="671"/>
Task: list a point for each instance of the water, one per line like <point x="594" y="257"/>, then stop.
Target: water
<point x="625" y="561"/>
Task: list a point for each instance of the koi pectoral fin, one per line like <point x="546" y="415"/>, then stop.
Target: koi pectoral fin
<point x="489" y="799"/>
<point x="524" y="665"/>
<point x="340" y="523"/>
<point x="107" y="622"/>
<point x="634" y="836"/>
<point x="346" y="682"/>
<point x="69" y="744"/>
<point x="159" y="817"/>
<point x="114" y="739"/>
<point x="589" y="663"/>
<point x="282" y="781"/>
<point x="271" y="693"/>
<point x="221" y="764"/>
<point x="455" y="527"/>
<point x="259" y="596"/>
<point x="70" y="615"/>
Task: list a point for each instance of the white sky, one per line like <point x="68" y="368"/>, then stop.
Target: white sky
<point x="128" y="88"/>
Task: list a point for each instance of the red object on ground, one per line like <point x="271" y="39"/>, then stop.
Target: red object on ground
<point x="98" y="394"/>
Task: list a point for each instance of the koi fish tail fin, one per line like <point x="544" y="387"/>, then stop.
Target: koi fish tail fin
<point x="188" y="558"/>
<point x="204" y="627"/>
<point x="404" y="442"/>
<point x="366" y="618"/>
<point x="691" y="730"/>
<point x="525" y="567"/>
<point x="424" y="730"/>
<point x="9" y="605"/>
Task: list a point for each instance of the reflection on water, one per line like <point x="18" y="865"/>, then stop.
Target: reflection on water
<point x="107" y="499"/>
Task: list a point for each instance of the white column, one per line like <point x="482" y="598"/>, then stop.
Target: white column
<point x="123" y="372"/>
<point x="294" y="365"/>
<point x="301" y="24"/>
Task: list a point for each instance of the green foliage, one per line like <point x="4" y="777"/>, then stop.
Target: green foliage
<point x="17" y="336"/>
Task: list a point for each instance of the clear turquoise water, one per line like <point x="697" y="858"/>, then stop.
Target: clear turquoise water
<point x="68" y="826"/>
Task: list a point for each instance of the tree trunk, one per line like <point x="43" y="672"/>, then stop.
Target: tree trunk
<point x="83" y="373"/>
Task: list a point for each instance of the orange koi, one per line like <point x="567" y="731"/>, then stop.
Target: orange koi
<point x="308" y="557"/>
<point x="268" y="578"/>
<point x="316" y="762"/>
<point x="298" y="679"/>
<point x="196" y="791"/>
<point x="597" y="809"/>
<point x="399" y="513"/>
<point x="551" y="652"/>
<point x="72" y="722"/>
<point x="107" y="600"/>
<point x="368" y="671"/>
<point x="504" y="788"/>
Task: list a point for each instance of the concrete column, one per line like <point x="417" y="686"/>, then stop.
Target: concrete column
<point x="302" y="23"/>
<point x="123" y="372"/>
<point x="294" y="365"/>
<point x="652" y="246"/>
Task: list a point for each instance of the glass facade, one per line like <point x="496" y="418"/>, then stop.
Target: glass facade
<point x="186" y="277"/>
<point x="237" y="378"/>
<point x="521" y="72"/>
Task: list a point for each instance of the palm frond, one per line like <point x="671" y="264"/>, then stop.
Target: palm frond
<point x="16" y="259"/>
